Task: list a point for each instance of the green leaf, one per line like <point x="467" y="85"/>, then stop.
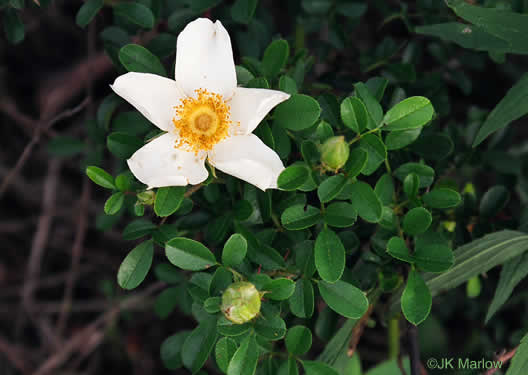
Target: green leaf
<point x="88" y="11"/>
<point x="374" y="110"/>
<point x="318" y="368"/>
<point x="330" y="188"/>
<point x="494" y="200"/>
<point x="398" y="249"/>
<point x="329" y="255"/>
<point x="399" y="139"/>
<point x="123" y="145"/>
<point x="297" y="113"/>
<point x="228" y="328"/>
<point x="168" y="200"/>
<point x="136" y="58"/>
<point x="138" y="228"/>
<point x="298" y="217"/>
<point x="13" y="26"/>
<point x="433" y="146"/>
<point x="411" y="185"/>
<point x="224" y="351"/>
<point x="340" y="215"/>
<point x="135" y="266"/>
<point x="171" y="350"/>
<point x="344" y="298"/>
<point x="212" y="305"/>
<point x="131" y="122"/>
<point x="385" y="189"/>
<point x="100" y="177"/>
<point x="417" y="221"/>
<point x="506" y="25"/>
<point x="114" y="203"/>
<point x="357" y="161"/>
<point x="220" y="281"/>
<point x="442" y="198"/>
<point x="279" y="289"/>
<point x="410" y="113"/>
<point x="424" y="172"/>
<point x="354" y="114"/>
<point x="302" y="300"/>
<point x="288" y="85"/>
<point x="376" y="150"/>
<point x="242" y="11"/>
<point x="298" y="340"/>
<point x="275" y="58"/>
<point x="513" y="271"/>
<point x="317" y="7"/>
<point x="200" y="6"/>
<point x="189" y="254"/>
<point x="168" y="273"/>
<point x="162" y="45"/>
<point x="293" y="177"/>
<point x="513" y="106"/>
<point x="135" y="13"/>
<point x="166" y="302"/>
<point x="271" y="328"/>
<point x="519" y="362"/>
<point x="235" y="250"/>
<point x="366" y="202"/>
<point x="416" y="299"/>
<point x="199" y="344"/>
<point x="244" y="361"/>
<point x="433" y="257"/>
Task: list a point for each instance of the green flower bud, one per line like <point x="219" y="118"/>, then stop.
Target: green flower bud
<point x="334" y="152"/>
<point x="241" y="302"/>
<point x="146" y="197"/>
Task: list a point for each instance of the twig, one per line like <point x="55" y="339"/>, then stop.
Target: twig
<point x="14" y="356"/>
<point x="505" y="356"/>
<point x="358" y="330"/>
<point x="77" y="341"/>
<point x="42" y="126"/>
<point x="77" y="249"/>
<point x="414" y="349"/>
<point x="193" y="190"/>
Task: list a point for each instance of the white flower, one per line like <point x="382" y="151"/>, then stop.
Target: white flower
<point x="204" y="114"/>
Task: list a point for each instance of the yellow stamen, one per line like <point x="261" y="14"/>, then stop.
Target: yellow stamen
<point x="202" y="122"/>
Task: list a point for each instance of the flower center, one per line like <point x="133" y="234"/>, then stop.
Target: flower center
<point x="202" y="122"/>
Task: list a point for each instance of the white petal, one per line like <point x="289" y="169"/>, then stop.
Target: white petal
<point x="248" y="158"/>
<point x="249" y="106"/>
<point x="204" y="59"/>
<point x="158" y="164"/>
<point x="152" y="95"/>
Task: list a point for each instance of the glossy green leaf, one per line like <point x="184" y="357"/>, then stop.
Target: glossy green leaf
<point x="344" y="298"/>
<point x="138" y="228"/>
<point x="297" y="113"/>
<point x="354" y="114"/>
<point x="199" y="344"/>
<point x="279" y="289"/>
<point x="114" y="203"/>
<point x="416" y="299"/>
<point x="293" y="177"/>
<point x="340" y="215"/>
<point x="424" y="172"/>
<point x="302" y="300"/>
<point x="433" y="257"/>
<point x="398" y="249"/>
<point x="275" y="57"/>
<point x="298" y="340"/>
<point x="330" y="188"/>
<point x="410" y="113"/>
<point x="318" y="368"/>
<point x="135" y="266"/>
<point x="136" y="58"/>
<point x="376" y="150"/>
<point x="329" y="255"/>
<point x="166" y="302"/>
<point x="374" y="110"/>
<point x="399" y="139"/>
<point x="519" y="362"/>
<point x="244" y="361"/>
<point x="271" y="328"/>
<point x="442" y="198"/>
<point x="411" y="184"/>
<point x="357" y="161"/>
<point x="494" y="200"/>
<point x="123" y="145"/>
<point x="224" y="351"/>
<point x="100" y="177"/>
<point x="189" y="254"/>
<point x="135" y="13"/>
<point x="299" y="217"/>
<point x="366" y="202"/>
<point x="235" y="250"/>
<point x="168" y="200"/>
<point x="417" y="221"/>
<point x="171" y="350"/>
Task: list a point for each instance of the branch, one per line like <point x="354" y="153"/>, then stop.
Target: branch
<point x="505" y="356"/>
